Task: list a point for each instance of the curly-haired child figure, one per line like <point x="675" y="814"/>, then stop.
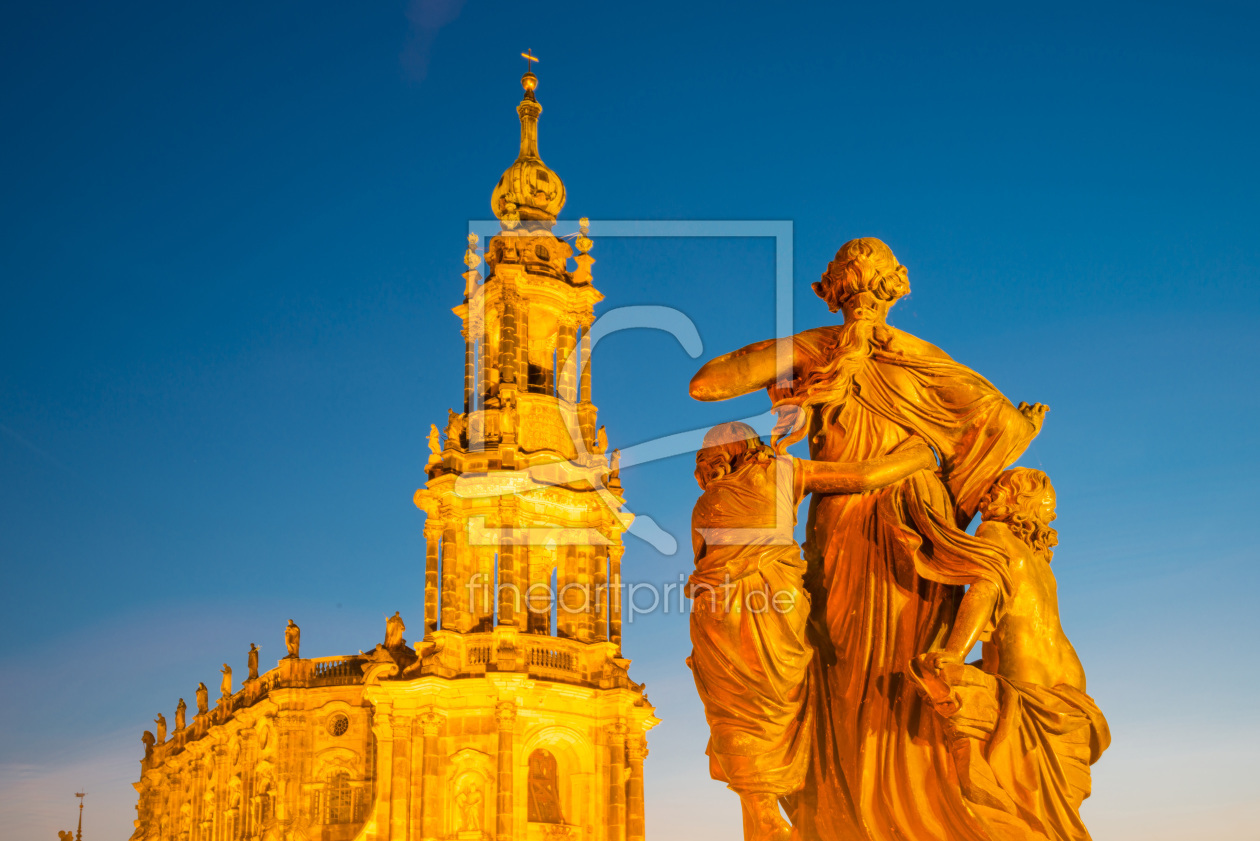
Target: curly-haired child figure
<point x="1029" y="703"/>
<point x="750" y="656"/>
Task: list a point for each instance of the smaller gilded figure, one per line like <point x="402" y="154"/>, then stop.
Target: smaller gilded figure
<point x="160" y="721"/>
<point x="544" y="788"/>
<point x="181" y="710"/>
<point x="394" y="629"/>
<point x="292" y="638"/>
<point x="750" y="652"/>
<point x="435" y="444"/>
<point x="601" y="441"/>
<point x="456" y="426"/>
<point x="203" y="699"/>
<point x="253" y="662"/>
<point x="614" y="470"/>
<point x="1024" y="732"/>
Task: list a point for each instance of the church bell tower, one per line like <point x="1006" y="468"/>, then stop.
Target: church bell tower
<point x="529" y="717"/>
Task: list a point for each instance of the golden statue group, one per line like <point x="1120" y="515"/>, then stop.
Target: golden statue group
<point x="833" y="675"/>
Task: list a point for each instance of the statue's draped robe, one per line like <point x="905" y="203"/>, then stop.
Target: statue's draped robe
<point x="1023" y="752"/>
<point x="750" y="656"/>
<point x="886" y="570"/>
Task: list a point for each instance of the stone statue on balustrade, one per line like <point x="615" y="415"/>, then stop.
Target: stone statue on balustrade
<point x="292" y="638"/>
<point x="225" y="685"/>
<point x="181" y="710"/>
<point x="147" y="739"/>
<point x="885" y="571"/>
<point x="203" y="699"/>
<point x="160" y="721"/>
<point x="253" y="662"/>
<point x="394" y="628"/>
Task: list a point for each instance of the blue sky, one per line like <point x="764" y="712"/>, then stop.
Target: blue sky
<point x="230" y="238"/>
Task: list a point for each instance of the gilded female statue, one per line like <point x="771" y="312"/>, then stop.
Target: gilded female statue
<point x="885" y="567"/>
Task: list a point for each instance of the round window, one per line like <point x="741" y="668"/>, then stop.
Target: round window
<point x="338" y="724"/>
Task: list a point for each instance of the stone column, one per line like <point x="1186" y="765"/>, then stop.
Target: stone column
<point x="507" y="334"/>
<point x="586" y="363"/>
<point x="383" y="729"/>
<point x="400" y="789"/>
<point x="449" y="577"/>
<point x="549" y="365"/>
<point x="219" y="827"/>
<point x="484" y="362"/>
<point x="636" y="752"/>
<point x="568" y="599"/>
<point x="505" y="716"/>
<point x="470" y="367"/>
<point x="616" y="781"/>
<point x="522" y="344"/>
<point x="585" y="593"/>
<point x="509" y="581"/>
<point x="566" y="340"/>
<point x="431" y="780"/>
<point x="432" y="574"/>
<point x="614" y="595"/>
<point x="463" y="566"/>
<point x="599" y="596"/>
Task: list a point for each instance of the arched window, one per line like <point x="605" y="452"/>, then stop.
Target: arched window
<point x="340" y="799"/>
<point x="544" y="788"/>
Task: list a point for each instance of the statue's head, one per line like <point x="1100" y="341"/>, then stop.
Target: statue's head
<point x="725" y="447"/>
<point x="863" y="281"/>
<point x="1024" y="500"/>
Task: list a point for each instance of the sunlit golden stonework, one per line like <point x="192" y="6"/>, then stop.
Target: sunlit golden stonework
<point x="514" y="717"/>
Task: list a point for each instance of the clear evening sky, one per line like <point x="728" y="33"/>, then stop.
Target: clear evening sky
<point x="230" y="239"/>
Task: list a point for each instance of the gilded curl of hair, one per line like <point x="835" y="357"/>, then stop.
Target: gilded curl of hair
<point x="727" y="447"/>
<point x="865" y="264"/>
<point x="1014" y="499"/>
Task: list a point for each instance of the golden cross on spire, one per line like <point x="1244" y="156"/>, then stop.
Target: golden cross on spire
<point x="530" y="58"/>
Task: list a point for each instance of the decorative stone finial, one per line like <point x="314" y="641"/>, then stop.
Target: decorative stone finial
<point x="583" y="242"/>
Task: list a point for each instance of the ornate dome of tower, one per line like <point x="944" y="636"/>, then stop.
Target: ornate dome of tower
<point x="529" y="190"/>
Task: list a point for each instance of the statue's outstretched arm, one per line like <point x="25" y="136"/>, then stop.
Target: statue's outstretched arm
<point x="835" y="477"/>
<point x="739" y="372"/>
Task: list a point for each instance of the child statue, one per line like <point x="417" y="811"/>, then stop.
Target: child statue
<point x="1024" y="731"/>
<point x="751" y="656"/>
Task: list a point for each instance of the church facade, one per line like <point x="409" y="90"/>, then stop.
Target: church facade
<point x="514" y="717"/>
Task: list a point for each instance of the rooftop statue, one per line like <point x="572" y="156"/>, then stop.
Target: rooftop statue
<point x="292" y="638"/>
<point x="225" y="685"/>
<point x="253" y="662"/>
<point x="160" y="721"/>
<point x="203" y="699"/>
<point x="180" y="711"/>
<point x="885" y="569"/>
<point x="394" y="628"/>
